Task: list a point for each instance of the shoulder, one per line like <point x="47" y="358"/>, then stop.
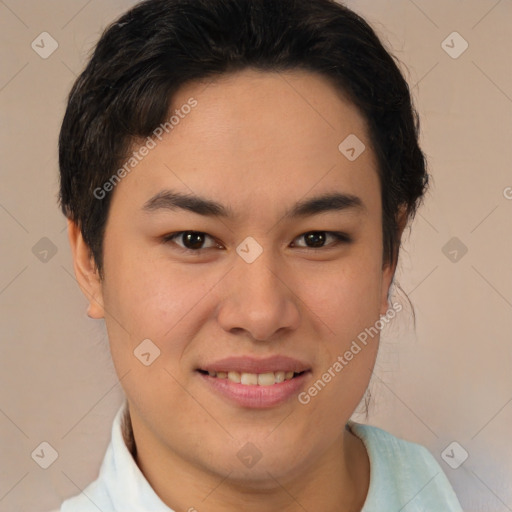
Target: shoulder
<point x="403" y="474"/>
<point x="388" y="449"/>
<point x="98" y="494"/>
<point x="93" y="498"/>
<point x="120" y="485"/>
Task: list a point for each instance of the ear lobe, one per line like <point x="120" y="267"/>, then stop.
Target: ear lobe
<point x="86" y="271"/>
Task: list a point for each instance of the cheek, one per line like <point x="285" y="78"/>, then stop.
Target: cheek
<point x="150" y="298"/>
<point x="348" y="305"/>
<point x="347" y="299"/>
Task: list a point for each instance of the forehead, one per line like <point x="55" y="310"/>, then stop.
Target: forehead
<point x="255" y="138"/>
<point x="266" y="113"/>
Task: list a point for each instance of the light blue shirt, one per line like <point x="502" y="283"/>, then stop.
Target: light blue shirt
<point x="404" y="477"/>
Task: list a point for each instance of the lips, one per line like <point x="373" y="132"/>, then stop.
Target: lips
<point x="255" y="383"/>
<point x="256" y="366"/>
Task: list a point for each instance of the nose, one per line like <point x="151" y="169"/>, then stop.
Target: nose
<point x="259" y="300"/>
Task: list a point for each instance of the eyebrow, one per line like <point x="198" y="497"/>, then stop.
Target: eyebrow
<point x="171" y="200"/>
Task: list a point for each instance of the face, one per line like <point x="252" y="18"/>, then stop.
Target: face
<point x="270" y="281"/>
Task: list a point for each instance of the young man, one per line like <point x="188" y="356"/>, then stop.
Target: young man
<point x="237" y="175"/>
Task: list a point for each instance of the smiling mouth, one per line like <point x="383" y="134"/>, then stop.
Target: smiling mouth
<point x="253" y="379"/>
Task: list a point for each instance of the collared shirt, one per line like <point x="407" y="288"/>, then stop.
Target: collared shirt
<point x="404" y="477"/>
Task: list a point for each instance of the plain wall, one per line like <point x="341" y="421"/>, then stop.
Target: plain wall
<point x="448" y="379"/>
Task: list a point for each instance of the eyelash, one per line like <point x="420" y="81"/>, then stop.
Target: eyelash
<point x="340" y="238"/>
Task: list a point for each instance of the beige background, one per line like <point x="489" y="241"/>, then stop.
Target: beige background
<point x="450" y="380"/>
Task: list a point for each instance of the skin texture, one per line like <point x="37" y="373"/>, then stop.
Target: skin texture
<point x="256" y="142"/>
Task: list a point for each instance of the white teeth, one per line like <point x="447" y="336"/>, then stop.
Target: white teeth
<point x="234" y="377"/>
<point x="266" y="379"/>
<point x="249" y="379"/>
<point x="254" y="379"/>
<point x="279" y="376"/>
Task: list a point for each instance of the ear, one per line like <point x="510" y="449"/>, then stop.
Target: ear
<point x="389" y="269"/>
<point x="86" y="271"/>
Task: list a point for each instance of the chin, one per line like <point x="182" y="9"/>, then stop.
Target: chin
<point x="257" y="463"/>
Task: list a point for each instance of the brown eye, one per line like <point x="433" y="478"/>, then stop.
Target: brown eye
<point x="193" y="240"/>
<point x="317" y="239"/>
<point x="190" y="240"/>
